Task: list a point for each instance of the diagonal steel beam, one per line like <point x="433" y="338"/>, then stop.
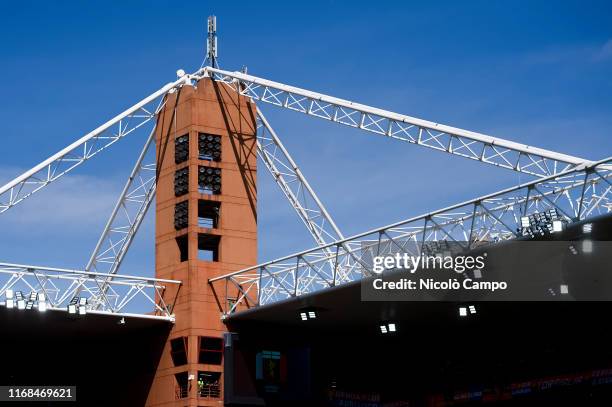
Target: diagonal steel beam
<point x="294" y="185"/>
<point x="84" y="148"/>
<point x="464" y="143"/>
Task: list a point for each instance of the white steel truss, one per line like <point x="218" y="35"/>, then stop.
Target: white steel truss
<point x="84" y="148"/>
<point x="576" y="194"/>
<point x="123" y="297"/>
<point x="480" y="147"/>
<point x="331" y="263"/>
<point x="294" y="185"/>
<point x="128" y="214"/>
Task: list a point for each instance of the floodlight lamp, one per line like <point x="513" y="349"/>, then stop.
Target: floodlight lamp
<point x="392" y="328"/>
<point x="587" y="228"/>
<point x="587" y="246"/>
<point x="383" y="329"/>
<point x="82" y="310"/>
<point x="10" y="303"/>
<point x="42" y="306"/>
<point x="525" y="221"/>
<point x="312" y="314"/>
<point x="462" y="311"/>
<point x="82" y="301"/>
<point x="72" y="309"/>
<point x="21" y="304"/>
<point x="557" y="226"/>
<point x="9" y="294"/>
<point x="304" y="316"/>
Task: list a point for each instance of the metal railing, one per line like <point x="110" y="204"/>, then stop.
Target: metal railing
<point x="124" y="295"/>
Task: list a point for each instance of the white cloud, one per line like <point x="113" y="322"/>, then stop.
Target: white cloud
<point x="73" y="203"/>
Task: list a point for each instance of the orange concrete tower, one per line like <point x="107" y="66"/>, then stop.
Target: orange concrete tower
<point x="206" y="225"/>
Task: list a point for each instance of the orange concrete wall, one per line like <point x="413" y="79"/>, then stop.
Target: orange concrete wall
<point x="215" y="109"/>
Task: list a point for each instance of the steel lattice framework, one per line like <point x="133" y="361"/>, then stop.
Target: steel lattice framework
<point x="294" y="185"/>
<point x="128" y="213"/>
<point x="463" y="143"/>
<point x="122" y="292"/>
<point x="84" y="148"/>
<point x="337" y="260"/>
<point x="576" y="194"/>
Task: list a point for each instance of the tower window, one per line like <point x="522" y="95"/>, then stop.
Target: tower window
<point x="208" y="214"/>
<point x="181" y="215"/>
<point x="182" y="385"/>
<point x="183" y="247"/>
<point x="209" y="384"/>
<point x="181" y="181"/>
<point x="208" y="247"/>
<point x="181" y="149"/>
<point x="209" y="180"/>
<point x="178" y="351"/>
<point x="211" y="350"/>
<point x="209" y="147"/>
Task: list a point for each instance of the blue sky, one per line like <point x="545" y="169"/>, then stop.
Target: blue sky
<point x="533" y="72"/>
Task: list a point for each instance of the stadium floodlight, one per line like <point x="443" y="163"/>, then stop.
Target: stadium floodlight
<point x="307" y="314"/>
<point x="10" y="299"/>
<point x="564" y="289"/>
<point x="82" y="310"/>
<point x="42" y="302"/>
<point x="525" y="221"/>
<point x="388" y="327"/>
<point x="72" y="307"/>
<point x="472" y="309"/>
<point x="462" y="311"/>
<point x="557" y="226"/>
<point x="587" y="246"/>
<point x="21" y="304"/>
<point x="31" y="301"/>
<point x="587" y="228"/>
<point x="82" y="301"/>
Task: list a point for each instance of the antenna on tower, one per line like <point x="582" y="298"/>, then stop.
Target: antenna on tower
<point x="211" y="43"/>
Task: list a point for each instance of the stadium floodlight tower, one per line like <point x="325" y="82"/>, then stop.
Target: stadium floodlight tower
<point x="206" y="225"/>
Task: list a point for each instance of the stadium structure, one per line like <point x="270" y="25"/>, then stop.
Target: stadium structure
<point x="223" y="329"/>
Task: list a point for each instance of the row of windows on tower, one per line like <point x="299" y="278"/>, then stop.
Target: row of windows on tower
<point x="210" y="352"/>
<point x="209" y="180"/>
<point x="209" y="147"/>
<point x="208" y="214"/>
